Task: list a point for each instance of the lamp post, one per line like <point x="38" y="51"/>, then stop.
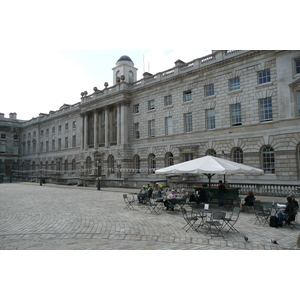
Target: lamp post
<point x="99" y="174"/>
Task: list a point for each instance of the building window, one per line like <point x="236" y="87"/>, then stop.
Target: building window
<point x="188" y="122"/>
<point x="265" y="109"/>
<point x="209" y="90"/>
<point x="188" y="156"/>
<point x="47" y="146"/>
<point x="67" y="126"/>
<point x="264" y="76"/>
<point x="59" y="144"/>
<point x="298" y="100"/>
<point x="187" y="96"/>
<point x="268" y="160"/>
<point x="169" y="159"/>
<point x="210" y="119"/>
<point x="169" y="126"/>
<point x="136" y="163"/>
<point x="16" y="150"/>
<point x="16" y="137"/>
<point x="234" y="84"/>
<point x="236" y="115"/>
<point x="2" y="148"/>
<point x="59" y="128"/>
<point x="42" y="147"/>
<point x="111" y="165"/>
<point x="151" y="126"/>
<point x="297" y="63"/>
<point x="53" y="145"/>
<point x="136" y="130"/>
<point x="3" y="136"/>
<point x="66" y="165"/>
<point x="73" y="165"/>
<point x="151" y="105"/>
<point x="74" y="125"/>
<point x="211" y="152"/>
<point x="47" y="131"/>
<point x="152" y="163"/>
<point x="42" y="132"/>
<point x="53" y="129"/>
<point x="238" y="156"/>
<point x="74" y="141"/>
<point x="168" y="100"/>
<point x="66" y="142"/>
<point x="136" y="108"/>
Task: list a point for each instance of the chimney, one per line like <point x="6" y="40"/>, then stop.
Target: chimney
<point x="1" y="115"/>
<point x="13" y="116"/>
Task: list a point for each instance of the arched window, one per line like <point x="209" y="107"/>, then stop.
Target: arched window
<point x="268" y="160"/>
<point x="169" y="159"/>
<point x="137" y="163"/>
<point x="238" y="156"/>
<point x="211" y="152"/>
<point x="89" y="165"/>
<point x="152" y="163"/>
<point x="111" y="164"/>
<point x="66" y="165"/>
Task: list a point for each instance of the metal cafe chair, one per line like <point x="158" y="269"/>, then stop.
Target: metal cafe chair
<point x="230" y="221"/>
<point x="261" y="215"/>
<point x="129" y="203"/>
<point x="190" y="220"/>
<point x="216" y="222"/>
<point x="152" y="207"/>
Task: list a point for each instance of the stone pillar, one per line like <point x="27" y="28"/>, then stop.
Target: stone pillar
<point x="85" y="136"/>
<point x="124" y="125"/>
<point x="96" y="129"/>
<point x="82" y="130"/>
<point x="106" y="128"/>
<point x="119" y="124"/>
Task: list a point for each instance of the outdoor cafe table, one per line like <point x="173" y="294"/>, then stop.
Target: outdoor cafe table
<point x="276" y="206"/>
<point x="201" y="212"/>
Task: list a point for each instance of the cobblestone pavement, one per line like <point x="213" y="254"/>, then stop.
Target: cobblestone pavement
<point x="54" y="217"/>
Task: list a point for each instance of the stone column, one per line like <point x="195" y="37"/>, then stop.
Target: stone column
<point x="85" y="137"/>
<point x="119" y="124"/>
<point x="106" y="128"/>
<point x="96" y="129"/>
<point x="123" y="124"/>
<point x="82" y="130"/>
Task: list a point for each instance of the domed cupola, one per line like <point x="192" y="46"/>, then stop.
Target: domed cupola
<point x="124" y="67"/>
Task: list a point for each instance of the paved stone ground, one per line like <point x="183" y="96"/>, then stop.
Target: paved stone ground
<point x="52" y="217"/>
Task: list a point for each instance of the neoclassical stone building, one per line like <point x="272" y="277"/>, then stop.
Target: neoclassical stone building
<point x="240" y="105"/>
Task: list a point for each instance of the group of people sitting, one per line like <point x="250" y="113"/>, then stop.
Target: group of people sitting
<point x="174" y="199"/>
<point x="287" y="214"/>
<point x="147" y="190"/>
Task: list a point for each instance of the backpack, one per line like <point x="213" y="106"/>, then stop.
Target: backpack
<point x="273" y="221"/>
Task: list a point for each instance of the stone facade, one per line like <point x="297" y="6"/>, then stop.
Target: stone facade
<point x="240" y="105"/>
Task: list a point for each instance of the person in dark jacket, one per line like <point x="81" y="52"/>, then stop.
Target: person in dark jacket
<point x="288" y="210"/>
<point x="221" y="193"/>
<point x="249" y="201"/>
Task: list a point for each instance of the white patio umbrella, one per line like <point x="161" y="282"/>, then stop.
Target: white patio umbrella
<point x="209" y="166"/>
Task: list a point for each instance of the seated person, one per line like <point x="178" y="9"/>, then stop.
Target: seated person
<point x="172" y="198"/>
<point x="249" y="201"/>
<point x="143" y="194"/>
<point x="201" y="197"/>
<point x="183" y="195"/>
<point x="294" y="201"/>
<point x="288" y="210"/>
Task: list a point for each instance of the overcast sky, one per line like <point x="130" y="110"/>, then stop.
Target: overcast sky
<point x="39" y="81"/>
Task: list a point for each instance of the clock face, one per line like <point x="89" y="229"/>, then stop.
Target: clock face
<point x="130" y="74"/>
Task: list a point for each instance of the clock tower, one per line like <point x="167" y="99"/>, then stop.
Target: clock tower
<point x="125" y="67"/>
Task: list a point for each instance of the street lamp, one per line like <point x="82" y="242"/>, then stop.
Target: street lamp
<point x="99" y="174"/>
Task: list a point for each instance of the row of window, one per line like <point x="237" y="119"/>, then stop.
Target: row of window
<point x="47" y="143"/>
<point x="265" y="112"/>
<point x="3" y="136"/>
<point x="209" y="90"/>
<point x="237" y="155"/>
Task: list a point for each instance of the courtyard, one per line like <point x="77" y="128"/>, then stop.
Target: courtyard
<point x="53" y="217"/>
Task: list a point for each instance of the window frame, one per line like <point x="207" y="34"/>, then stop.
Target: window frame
<point x="236" y="114"/>
<point x="210" y="120"/>
<point x="264" y="76"/>
<point x="234" y="84"/>
<point x="188" y="122"/>
<point x="187" y="96"/>
<point x="264" y="111"/>
<point x="209" y="90"/>
<point x="169" y="127"/>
